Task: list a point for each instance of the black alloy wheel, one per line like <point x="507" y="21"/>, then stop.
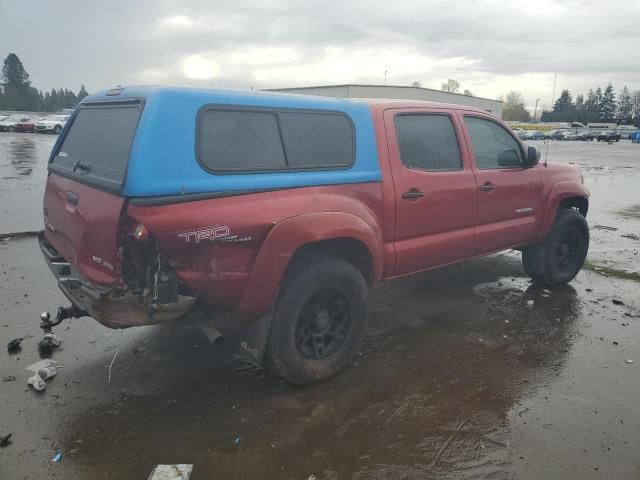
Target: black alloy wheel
<point x="323" y="324"/>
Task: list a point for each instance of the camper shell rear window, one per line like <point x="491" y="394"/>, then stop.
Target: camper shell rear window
<point x="240" y="139"/>
<point x="95" y="150"/>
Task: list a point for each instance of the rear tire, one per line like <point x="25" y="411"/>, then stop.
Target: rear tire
<point x="320" y="320"/>
<point x="560" y="257"/>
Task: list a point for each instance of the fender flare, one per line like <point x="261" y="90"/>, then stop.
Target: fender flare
<point x="559" y="192"/>
<point x="257" y="306"/>
<point x="287" y="237"/>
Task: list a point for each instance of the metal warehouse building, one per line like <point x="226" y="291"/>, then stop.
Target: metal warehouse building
<point x="397" y="92"/>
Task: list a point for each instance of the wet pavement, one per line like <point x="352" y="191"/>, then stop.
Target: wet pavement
<point x="460" y="377"/>
<point x="23" y="171"/>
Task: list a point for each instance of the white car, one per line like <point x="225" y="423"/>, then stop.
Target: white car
<point x="51" y="124"/>
<point x="8" y="124"/>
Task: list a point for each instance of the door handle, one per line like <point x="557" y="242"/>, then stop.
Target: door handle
<point x="72" y="198"/>
<point x="487" y="187"/>
<point x="413" y="193"/>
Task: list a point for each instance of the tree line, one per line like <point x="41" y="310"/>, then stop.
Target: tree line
<point x="597" y="106"/>
<point x="17" y="93"/>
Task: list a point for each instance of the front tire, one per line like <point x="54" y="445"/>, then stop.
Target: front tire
<point x="560" y="257"/>
<point x="320" y="320"/>
<point x="57" y="129"/>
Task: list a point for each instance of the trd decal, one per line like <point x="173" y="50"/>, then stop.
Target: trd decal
<point x="103" y="262"/>
<point x="219" y="233"/>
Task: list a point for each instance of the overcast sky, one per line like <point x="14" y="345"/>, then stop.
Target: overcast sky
<point x="489" y="46"/>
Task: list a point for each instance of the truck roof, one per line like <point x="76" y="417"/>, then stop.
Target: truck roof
<point x="246" y="97"/>
<point x="400" y="103"/>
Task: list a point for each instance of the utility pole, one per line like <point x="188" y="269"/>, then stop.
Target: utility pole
<point x="535" y="111"/>
<point x="385" y="78"/>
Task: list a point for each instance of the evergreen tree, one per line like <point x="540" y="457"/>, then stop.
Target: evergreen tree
<point x="15" y="79"/>
<point x="624" y="114"/>
<point x="83" y="93"/>
<point x="13" y="73"/>
<point x="563" y="109"/>
<point x="580" y="109"/>
<point x="597" y="104"/>
<point x="546" y="116"/>
<point x="635" y="108"/>
<point x="591" y="107"/>
<point x="608" y="105"/>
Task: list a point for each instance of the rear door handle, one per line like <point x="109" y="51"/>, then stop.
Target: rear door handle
<point x="487" y="187"/>
<point x="413" y="193"/>
<point x="72" y="198"/>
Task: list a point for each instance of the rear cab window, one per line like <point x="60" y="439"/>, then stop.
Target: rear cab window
<point x="96" y="148"/>
<point x="428" y="142"/>
<point x="236" y="140"/>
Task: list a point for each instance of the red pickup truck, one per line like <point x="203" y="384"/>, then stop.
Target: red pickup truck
<point x="268" y="216"/>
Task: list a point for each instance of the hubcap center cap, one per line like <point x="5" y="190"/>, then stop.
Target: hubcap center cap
<point x="322" y="320"/>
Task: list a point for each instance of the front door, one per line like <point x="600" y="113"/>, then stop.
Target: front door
<point x="435" y="189"/>
<point x="509" y="193"/>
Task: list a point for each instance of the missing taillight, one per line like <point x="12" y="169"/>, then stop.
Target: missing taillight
<point x="140" y="233"/>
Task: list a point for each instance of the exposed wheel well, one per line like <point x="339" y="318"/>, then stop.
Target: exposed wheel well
<point x="349" y="249"/>
<point x="579" y="203"/>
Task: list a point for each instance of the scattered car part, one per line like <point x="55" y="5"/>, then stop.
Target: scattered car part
<point x="5" y="440"/>
<point x="48" y="343"/>
<point x="14" y="345"/>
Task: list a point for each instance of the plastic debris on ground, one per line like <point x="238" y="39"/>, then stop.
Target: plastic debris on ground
<point x="48" y="343"/>
<point x="57" y="457"/>
<point x="530" y="303"/>
<point x="14" y="345"/>
<point x="237" y="440"/>
<point x="42" y="364"/>
<point x="172" y="472"/>
<point x="5" y="440"/>
<point x="628" y="360"/>
<point x="42" y="371"/>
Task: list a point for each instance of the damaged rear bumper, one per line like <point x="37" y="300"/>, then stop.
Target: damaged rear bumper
<point x="110" y="306"/>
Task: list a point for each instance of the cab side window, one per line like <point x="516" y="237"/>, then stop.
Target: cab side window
<point x="428" y="142"/>
<point x="493" y="145"/>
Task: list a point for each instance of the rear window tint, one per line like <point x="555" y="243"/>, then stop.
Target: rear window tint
<point x="240" y="141"/>
<point x="96" y="148"/>
<point x="428" y="142"/>
<point x="268" y="140"/>
<point x="317" y="140"/>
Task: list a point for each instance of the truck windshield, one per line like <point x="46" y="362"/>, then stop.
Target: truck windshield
<point x="96" y="148"/>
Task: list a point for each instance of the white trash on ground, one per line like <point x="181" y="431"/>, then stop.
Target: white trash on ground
<point x="172" y="472"/>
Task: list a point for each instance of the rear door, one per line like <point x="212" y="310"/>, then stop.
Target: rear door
<point x="436" y="192"/>
<point x="82" y="201"/>
<point x="509" y="193"/>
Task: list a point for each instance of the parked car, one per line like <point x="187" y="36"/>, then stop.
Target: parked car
<point x="534" y="135"/>
<point x="608" y="136"/>
<point x="557" y="134"/>
<point x="51" y="124"/>
<point x="569" y="136"/>
<point x="585" y="136"/>
<point x="25" y="125"/>
<point x="282" y="210"/>
<point x="9" y="123"/>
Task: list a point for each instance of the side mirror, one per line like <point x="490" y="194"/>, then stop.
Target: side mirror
<point x="533" y="156"/>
